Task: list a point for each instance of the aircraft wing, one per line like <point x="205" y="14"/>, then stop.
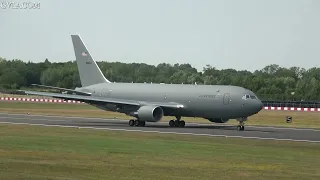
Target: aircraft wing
<point x="63" y="89"/>
<point x="97" y="99"/>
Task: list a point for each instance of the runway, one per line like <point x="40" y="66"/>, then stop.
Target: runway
<point x="229" y="131"/>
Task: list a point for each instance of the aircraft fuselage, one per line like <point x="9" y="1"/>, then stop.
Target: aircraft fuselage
<point x="207" y="101"/>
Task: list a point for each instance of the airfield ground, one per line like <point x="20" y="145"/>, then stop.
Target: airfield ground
<point x="264" y="117"/>
<point x="33" y="152"/>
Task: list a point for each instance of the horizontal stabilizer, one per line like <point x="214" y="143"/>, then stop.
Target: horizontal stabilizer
<point x="64" y="89"/>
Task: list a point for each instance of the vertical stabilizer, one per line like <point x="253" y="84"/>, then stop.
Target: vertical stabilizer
<point x="89" y="71"/>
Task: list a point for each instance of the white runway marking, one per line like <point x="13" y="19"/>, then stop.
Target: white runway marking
<point x="160" y="132"/>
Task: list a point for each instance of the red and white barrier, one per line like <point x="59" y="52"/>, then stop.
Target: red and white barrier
<point x="38" y="100"/>
<point x="78" y="102"/>
<point x="292" y="109"/>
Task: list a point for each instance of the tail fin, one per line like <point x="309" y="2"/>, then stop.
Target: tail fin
<point x="89" y="71"/>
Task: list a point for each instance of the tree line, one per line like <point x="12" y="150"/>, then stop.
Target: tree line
<point x="270" y="83"/>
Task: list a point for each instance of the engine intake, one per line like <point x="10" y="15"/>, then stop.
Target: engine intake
<point x="150" y="113"/>
<point x="218" y="120"/>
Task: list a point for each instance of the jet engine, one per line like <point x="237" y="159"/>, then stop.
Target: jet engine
<point x="218" y="120"/>
<point x="150" y="113"/>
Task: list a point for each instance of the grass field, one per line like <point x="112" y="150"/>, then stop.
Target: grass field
<point x="33" y="152"/>
<point x="265" y="117"/>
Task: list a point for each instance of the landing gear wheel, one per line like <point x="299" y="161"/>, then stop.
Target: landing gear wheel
<point x="136" y="122"/>
<point x="131" y="122"/>
<point x="176" y="123"/>
<point x="182" y="123"/>
<point x="240" y="128"/>
<point x="171" y="123"/>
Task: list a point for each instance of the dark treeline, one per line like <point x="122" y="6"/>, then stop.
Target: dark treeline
<point x="270" y="83"/>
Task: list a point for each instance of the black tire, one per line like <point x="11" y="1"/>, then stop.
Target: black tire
<point x="182" y="123"/>
<point x="239" y="128"/>
<point x="171" y="123"/>
<point x="136" y="122"/>
<point x="176" y="123"/>
<point x="131" y="122"/>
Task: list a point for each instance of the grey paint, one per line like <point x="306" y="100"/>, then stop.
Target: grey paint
<point x="207" y="101"/>
<point x="84" y="60"/>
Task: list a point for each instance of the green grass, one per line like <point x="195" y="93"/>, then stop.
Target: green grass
<point x="264" y="117"/>
<point x="33" y="152"/>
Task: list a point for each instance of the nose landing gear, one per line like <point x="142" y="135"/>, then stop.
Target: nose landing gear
<point x="240" y="127"/>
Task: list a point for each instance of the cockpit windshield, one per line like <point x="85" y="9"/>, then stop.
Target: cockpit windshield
<point x="253" y="97"/>
<point x="248" y="96"/>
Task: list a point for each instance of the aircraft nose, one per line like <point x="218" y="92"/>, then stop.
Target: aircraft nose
<point x="259" y="105"/>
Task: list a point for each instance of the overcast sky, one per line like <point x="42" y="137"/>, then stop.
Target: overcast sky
<point x="239" y="34"/>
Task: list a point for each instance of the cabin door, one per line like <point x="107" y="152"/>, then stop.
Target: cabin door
<point x="226" y="98"/>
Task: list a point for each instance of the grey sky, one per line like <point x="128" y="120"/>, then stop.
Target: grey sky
<point x="239" y="34"/>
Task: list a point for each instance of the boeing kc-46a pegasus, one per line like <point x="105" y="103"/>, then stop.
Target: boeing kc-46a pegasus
<point x="151" y="102"/>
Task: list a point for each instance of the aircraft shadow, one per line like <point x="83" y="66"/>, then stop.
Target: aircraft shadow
<point x="213" y="127"/>
<point x="165" y="126"/>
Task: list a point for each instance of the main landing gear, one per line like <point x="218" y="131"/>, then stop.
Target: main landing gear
<point x="177" y="122"/>
<point x="136" y="122"/>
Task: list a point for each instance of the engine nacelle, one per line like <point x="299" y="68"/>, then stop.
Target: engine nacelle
<point x="150" y="113"/>
<point x="218" y="120"/>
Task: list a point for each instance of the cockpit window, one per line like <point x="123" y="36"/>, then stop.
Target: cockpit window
<point x="248" y="96"/>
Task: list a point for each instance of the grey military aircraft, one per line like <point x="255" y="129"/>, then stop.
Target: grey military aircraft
<point x="148" y="102"/>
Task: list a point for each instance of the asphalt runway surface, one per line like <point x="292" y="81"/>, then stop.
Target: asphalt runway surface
<point x="216" y="130"/>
